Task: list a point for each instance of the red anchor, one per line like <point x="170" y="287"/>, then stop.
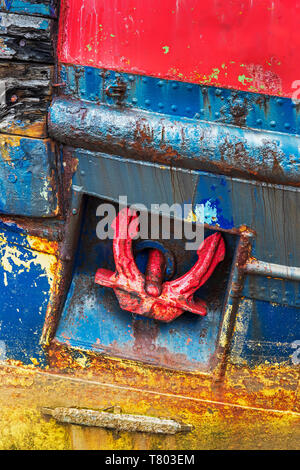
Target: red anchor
<point x="146" y="294"/>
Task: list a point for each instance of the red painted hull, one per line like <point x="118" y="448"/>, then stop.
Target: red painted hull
<point x="249" y="45"/>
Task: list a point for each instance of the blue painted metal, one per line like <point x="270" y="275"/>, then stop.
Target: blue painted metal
<point x="25" y="283"/>
<point x="269" y="333"/>
<point x="224" y="198"/>
<point x="181" y="99"/>
<point x="28" y="177"/>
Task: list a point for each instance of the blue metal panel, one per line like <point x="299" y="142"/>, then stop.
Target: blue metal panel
<point x="224" y="199"/>
<point x="26" y="277"/>
<point x="28" y="177"/>
<point x="274" y="290"/>
<point x="209" y="103"/>
<point x="267" y="332"/>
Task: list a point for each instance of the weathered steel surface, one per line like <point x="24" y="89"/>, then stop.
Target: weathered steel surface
<point x="209" y="103"/>
<point x="234" y="374"/>
<point x="247" y="46"/>
<point x="27" y="94"/>
<point x="224" y="199"/>
<point x="28" y="182"/>
<point x="176" y="141"/>
<point x="267" y="386"/>
<point x="138" y="390"/>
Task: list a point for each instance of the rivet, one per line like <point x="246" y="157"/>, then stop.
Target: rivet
<point x="197" y="116"/>
<point x="82" y="172"/>
<point x="279" y="101"/>
<point x="174" y="85"/>
<point x="217" y="115"/>
<point x="12" y="178"/>
<point x="189" y="87"/>
<point x="188" y="110"/>
<point x="202" y="110"/>
<point x="144" y="80"/>
<point x="134" y="100"/>
<point x="131" y="78"/>
<point x="287" y="125"/>
<point x="89" y="72"/>
<point x="160" y="105"/>
<point x="74" y="211"/>
<point x="22" y="43"/>
<point x="174" y="107"/>
<point x="147" y="102"/>
<point x="273" y="123"/>
<point x="160" y="83"/>
<point x="258" y="121"/>
<point x="218" y="92"/>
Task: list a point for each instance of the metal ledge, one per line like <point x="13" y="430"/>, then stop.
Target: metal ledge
<point x="116" y="421"/>
<point x="180" y="142"/>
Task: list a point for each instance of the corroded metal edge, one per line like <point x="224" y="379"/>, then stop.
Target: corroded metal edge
<point x="117" y="421"/>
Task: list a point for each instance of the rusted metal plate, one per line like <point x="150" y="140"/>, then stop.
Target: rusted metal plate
<point x="216" y="425"/>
